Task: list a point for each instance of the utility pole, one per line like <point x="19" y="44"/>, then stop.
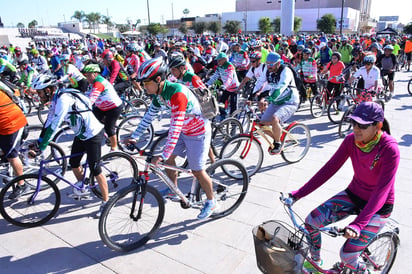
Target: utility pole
<point x="173" y="21"/>
<point x="148" y="11"/>
<point x="341" y="18"/>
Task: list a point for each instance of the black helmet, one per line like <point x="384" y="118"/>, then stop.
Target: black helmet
<point x="307" y="51"/>
<point x="177" y="61"/>
<point x="23" y="62"/>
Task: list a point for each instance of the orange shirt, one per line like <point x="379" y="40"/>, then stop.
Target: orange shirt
<point x="335" y="70"/>
<point x="11" y="116"/>
<point x="408" y="46"/>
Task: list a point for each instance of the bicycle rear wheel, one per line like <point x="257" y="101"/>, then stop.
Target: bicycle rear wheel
<point x="345" y="125"/>
<point x="244" y="118"/>
<point x="131" y="217"/>
<point x="296" y="143"/>
<point x="223" y="132"/>
<point x="230" y="184"/>
<point x="126" y="129"/>
<point x="119" y="169"/>
<point x="135" y="106"/>
<point x="247" y="151"/>
<point x="27" y="210"/>
<point x="317" y="106"/>
<point x="337" y="108"/>
<point x="382" y="251"/>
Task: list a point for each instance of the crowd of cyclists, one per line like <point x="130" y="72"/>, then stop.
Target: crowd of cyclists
<point x="97" y="72"/>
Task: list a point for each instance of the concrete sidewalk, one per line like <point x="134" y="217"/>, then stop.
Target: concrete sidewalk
<point x="70" y="243"/>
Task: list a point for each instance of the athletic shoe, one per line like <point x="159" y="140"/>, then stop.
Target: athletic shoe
<point x="80" y="192"/>
<point x="99" y="213"/>
<point x="276" y="149"/>
<point x="18" y="191"/>
<point x="308" y="267"/>
<point x="208" y="209"/>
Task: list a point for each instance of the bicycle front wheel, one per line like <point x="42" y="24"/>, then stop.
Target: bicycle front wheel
<point x="126" y="129"/>
<point x="296" y="143"/>
<point x="345" y="125"/>
<point x="317" y="106"/>
<point x="337" y="108"/>
<point x="131" y="217"/>
<point x="246" y="150"/>
<point x="119" y="169"/>
<point x="30" y="209"/>
<point x="410" y="86"/>
<point x="381" y="252"/>
<point x="244" y="118"/>
<point x="230" y="183"/>
<point x="223" y="132"/>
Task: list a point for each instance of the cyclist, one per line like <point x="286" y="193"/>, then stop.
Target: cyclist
<point x="178" y="68"/>
<point x="189" y="131"/>
<point x="345" y="50"/>
<point x="309" y="69"/>
<point x="74" y="108"/>
<point x="408" y="51"/>
<point x="370" y="195"/>
<point x="283" y="97"/>
<point x="256" y="70"/>
<point x="39" y="62"/>
<point x="72" y="75"/>
<point x="12" y="122"/>
<point x="132" y="64"/>
<point x="27" y="73"/>
<point x="335" y="69"/>
<point x="107" y="104"/>
<point x="369" y="72"/>
<point x="116" y="72"/>
<point x="240" y="59"/>
<point x="227" y="73"/>
<point x="387" y="62"/>
<point x="7" y="69"/>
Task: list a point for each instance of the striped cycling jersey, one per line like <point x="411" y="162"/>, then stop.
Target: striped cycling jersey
<point x="132" y="63"/>
<point x="226" y="73"/>
<point x="186" y="115"/>
<point x="191" y="80"/>
<point x="240" y="60"/>
<point x="309" y="69"/>
<point x="73" y="75"/>
<point x="103" y="95"/>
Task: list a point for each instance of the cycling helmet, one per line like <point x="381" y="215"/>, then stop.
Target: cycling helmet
<point x="130" y="48"/>
<point x="375" y="45"/>
<point x="152" y="68"/>
<point x="333" y="39"/>
<point x="85" y="58"/>
<point x="307" y="51"/>
<point x="48" y="52"/>
<point x="338" y="55"/>
<point x="357" y="50"/>
<point x="221" y="55"/>
<point x="91" y="68"/>
<point x="257" y="44"/>
<point x="84" y="49"/>
<point x="3" y="52"/>
<point x="43" y="81"/>
<point x="285" y="44"/>
<point x="301" y="47"/>
<point x="256" y="55"/>
<point x="389" y="47"/>
<point x="65" y="57"/>
<point x="177" y="61"/>
<point x="369" y="59"/>
<point x="17" y="49"/>
<point x="107" y="54"/>
<point x="311" y="43"/>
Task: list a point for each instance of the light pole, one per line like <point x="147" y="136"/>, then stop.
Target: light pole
<point x="341" y="18"/>
<point x="148" y="11"/>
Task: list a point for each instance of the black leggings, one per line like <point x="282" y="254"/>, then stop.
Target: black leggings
<point x="108" y="118"/>
<point x="93" y="149"/>
<point x="232" y="97"/>
<point x="337" y="87"/>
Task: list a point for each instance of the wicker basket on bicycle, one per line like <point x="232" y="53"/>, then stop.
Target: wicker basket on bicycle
<point x="276" y="247"/>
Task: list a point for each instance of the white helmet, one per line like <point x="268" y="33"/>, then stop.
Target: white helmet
<point x="43" y="81"/>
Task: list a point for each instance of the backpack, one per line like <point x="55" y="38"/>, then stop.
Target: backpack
<point x="298" y="80"/>
<point x="78" y="95"/>
<point x="208" y="102"/>
<point x="8" y="89"/>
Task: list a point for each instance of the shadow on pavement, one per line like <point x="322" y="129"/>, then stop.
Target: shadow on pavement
<point x="406" y="140"/>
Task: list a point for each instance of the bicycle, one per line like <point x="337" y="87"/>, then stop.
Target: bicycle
<point x="295" y="141"/>
<point x="410" y="86"/>
<point x="135" y="213"/>
<point x="282" y="247"/>
<point x="41" y="202"/>
<point x="321" y="101"/>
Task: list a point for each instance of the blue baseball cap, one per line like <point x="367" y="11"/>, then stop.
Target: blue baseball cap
<point x="273" y="57"/>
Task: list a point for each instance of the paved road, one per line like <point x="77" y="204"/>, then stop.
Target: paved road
<point x="70" y="241"/>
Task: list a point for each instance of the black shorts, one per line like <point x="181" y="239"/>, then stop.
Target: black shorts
<point x="391" y="75"/>
<point x="10" y="143"/>
<point x="409" y="56"/>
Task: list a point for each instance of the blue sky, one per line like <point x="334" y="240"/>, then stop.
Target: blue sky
<point x="48" y="12"/>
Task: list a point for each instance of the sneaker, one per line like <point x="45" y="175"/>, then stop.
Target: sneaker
<point x="276" y="149"/>
<point x="308" y="267"/>
<point x="19" y="190"/>
<point x="99" y="213"/>
<point x="167" y="193"/>
<point x="80" y="192"/>
<point x="208" y="209"/>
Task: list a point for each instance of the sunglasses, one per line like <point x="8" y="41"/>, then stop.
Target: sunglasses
<point x="271" y="64"/>
<point x="361" y="126"/>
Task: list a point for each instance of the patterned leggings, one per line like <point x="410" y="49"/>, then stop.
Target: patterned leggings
<point x="338" y="208"/>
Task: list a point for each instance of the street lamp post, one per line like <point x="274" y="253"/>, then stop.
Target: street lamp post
<point x="341" y="18"/>
<point x="148" y="11"/>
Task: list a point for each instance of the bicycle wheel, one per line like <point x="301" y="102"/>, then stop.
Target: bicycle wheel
<point x="223" y="132"/>
<point x="244" y="118"/>
<point x="345" y="125"/>
<point x="64" y="138"/>
<point x="119" y="169"/>
<point x="337" y="108"/>
<point x="382" y="251"/>
<point x="126" y="129"/>
<point x="28" y="104"/>
<point x="158" y="146"/>
<point x="410" y="86"/>
<point x="380" y="102"/>
<point x="296" y="143"/>
<point x="247" y="151"/>
<point x="135" y="106"/>
<point x="30" y="210"/>
<point x="317" y="106"/>
<point x="230" y="184"/>
<point x="42" y="112"/>
<point x="131" y="217"/>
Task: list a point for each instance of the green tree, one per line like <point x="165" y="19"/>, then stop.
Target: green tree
<point x="79" y="15"/>
<point x="20" y="25"/>
<point x="327" y="23"/>
<point x="408" y="28"/>
<point x="232" y="26"/>
<point x="106" y="20"/>
<point x="183" y="29"/>
<point x="123" y="27"/>
<point x="93" y="20"/>
<point x="154" y="28"/>
<point x="32" y="24"/>
<point x="276" y="24"/>
<point x="186" y="12"/>
<point x="199" y="28"/>
<point x="264" y="25"/>
<point x="297" y="24"/>
<point x="214" y="26"/>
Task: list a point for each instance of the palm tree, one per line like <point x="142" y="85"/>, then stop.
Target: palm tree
<point x="32" y="24"/>
<point x="186" y="12"/>
<point x="20" y="25"/>
<point x="79" y="15"/>
<point x="106" y="20"/>
<point x="93" y="19"/>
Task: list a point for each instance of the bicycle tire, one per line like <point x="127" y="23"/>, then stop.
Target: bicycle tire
<point x="135" y="106"/>
<point x="120" y="170"/>
<point x="42" y="113"/>
<point x="223" y="132"/>
<point x="228" y="190"/>
<point x="126" y="129"/>
<point x="22" y="213"/>
<point x="158" y="147"/>
<point x="336" y="110"/>
<point x="410" y="87"/>
<point x="296" y="143"/>
<point x="244" y="118"/>
<point x="382" y="250"/>
<point x="117" y="228"/>
<point x="28" y="105"/>
<point x="239" y="148"/>
<point x="380" y="102"/>
<point x="64" y="137"/>
<point x="345" y="125"/>
<point x="317" y="106"/>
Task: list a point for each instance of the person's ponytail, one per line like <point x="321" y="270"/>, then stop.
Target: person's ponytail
<point x="386" y="127"/>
